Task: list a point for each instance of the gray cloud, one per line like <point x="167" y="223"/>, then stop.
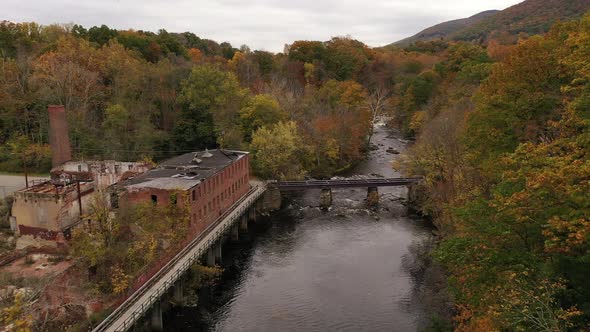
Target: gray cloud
<point x="261" y="24"/>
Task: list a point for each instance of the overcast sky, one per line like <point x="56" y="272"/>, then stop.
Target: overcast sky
<point x="261" y="24"/>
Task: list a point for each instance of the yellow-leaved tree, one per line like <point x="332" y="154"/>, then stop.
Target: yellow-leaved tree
<point x="279" y="152"/>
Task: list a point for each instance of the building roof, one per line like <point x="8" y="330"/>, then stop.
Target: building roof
<point x="185" y="171"/>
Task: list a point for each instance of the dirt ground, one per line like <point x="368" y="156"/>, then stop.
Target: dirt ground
<point x="39" y="267"/>
<point x="61" y="296"/>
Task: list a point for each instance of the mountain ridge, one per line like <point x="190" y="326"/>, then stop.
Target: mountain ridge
<point x="530" y="17"/>
<point x="444" y="29"/>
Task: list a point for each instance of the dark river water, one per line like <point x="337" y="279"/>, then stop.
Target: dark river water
<point x="347" y="269"/>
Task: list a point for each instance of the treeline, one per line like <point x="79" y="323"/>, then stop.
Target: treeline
<point x="134" y="95"/>
<point x="503" y="144"/>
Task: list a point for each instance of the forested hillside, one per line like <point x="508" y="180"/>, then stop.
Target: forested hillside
<point x="442" y="30"/>
<point x="503" y="143"/>
<point x="527" y="18"/>
<point x="133" y="95"/>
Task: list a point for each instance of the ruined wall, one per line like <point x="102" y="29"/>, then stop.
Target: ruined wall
<point x="217" y="193"/>
<point x="36" y="211"/>
<point x="104" y="173"/>
<point x="43" y="215"/>
<point x="131" y="198"/>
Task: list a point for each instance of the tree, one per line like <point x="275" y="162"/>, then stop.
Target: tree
<point x="246" y="70"/>
<point x="70" y="76"/>
<point x="518" y="98"/>
<point x="194" y="130"/>
<point x="346" y="58"/>
<point x="260" y="111"/>
<point x="227" y="50"/>
<point x="210" y="90"/>
<point x="265" y="61"/>
<point x="378" y="103"/>
<point x="117" y="131"/>
<point x="101" y="35"/>
<point x="195" y="55"/>
<point x="337" y="121"/>
<point x="92" y="245"/>
<point x="15" y="316"/>
<point x="514" y="207"/>
<point x="117" y="249"/>
<point x="307" y="51"/>
<point x="279" y="152"/>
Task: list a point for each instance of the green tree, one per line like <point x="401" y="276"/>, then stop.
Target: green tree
<point x="211" y="91"/>
<point x="346" y="58"/>
<point x="260" y="111"/>
<point x="307" y="51"/>
<point x="194" y="130"/>
<point x="101" y="35"/>
<point x="279" y="152"/>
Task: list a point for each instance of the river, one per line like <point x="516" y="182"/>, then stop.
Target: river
<point x="347" y="269"/>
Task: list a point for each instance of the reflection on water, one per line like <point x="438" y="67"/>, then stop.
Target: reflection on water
<point x="349" y="269"/>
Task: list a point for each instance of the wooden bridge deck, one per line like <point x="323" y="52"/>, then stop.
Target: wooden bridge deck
<point x="354" y="183"/>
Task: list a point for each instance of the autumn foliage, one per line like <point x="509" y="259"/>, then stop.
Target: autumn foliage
<point x="506" y="179"/>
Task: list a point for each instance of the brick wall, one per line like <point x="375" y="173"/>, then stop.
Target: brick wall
<point x="216" y="194"/>
<point x="59" y="139"/>
<point x="208" y="200"/>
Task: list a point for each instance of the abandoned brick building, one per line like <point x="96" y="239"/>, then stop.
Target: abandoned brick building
<point x="43" y="212"/>
<point x="211" y="181"/>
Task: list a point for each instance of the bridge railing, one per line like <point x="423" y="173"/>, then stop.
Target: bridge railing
<point x="343" y="183"/>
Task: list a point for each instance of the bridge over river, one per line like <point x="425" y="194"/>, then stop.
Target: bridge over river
<point x="327" y="185"/>
<point x="345" y="183"/>
<point x="148" y="300"/>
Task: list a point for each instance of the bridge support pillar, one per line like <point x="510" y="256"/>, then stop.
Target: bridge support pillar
<point x="178" y="296"/>
<point x="244" y="223"/>
<point x="157" y="323"/>
<point x="217" y="251"/>
<point x="326" y="198"/>
<point x="252" y="214"/>
<point x="372" y="196"/>
<point x="211" y="256"/>
<point x="235" y="232"/>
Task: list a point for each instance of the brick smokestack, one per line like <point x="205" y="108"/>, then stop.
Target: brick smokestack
<point x="59" y="139"/>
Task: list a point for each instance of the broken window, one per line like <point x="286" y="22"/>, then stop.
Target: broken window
<point x="155" y="199"/>
<point x="114" y="200"/>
